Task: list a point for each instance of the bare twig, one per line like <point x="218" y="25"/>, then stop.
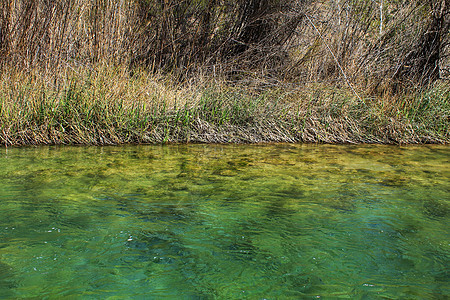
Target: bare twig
<point x="335" y="59"/>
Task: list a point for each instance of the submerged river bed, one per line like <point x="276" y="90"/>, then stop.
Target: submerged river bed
<point x="225" y="222"/>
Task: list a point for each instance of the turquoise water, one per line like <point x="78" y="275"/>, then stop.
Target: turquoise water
<point x="225" y="222"/>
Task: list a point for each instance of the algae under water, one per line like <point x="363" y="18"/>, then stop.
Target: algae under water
<point x="225" y="221"/>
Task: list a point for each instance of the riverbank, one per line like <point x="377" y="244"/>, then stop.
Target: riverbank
<point x="108" y="106"/>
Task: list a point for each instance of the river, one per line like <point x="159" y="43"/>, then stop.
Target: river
<point x="225" y="221"/>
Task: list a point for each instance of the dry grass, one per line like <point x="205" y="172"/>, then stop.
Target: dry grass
<point x="269" y="41"/>
<point x="108" y="106"/>
<point x="139" y="71"/>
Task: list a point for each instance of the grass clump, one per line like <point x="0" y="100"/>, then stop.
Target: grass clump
<point x="105" y="106"/>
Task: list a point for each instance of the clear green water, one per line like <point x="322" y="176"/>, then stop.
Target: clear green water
<point x="225" y="222"/>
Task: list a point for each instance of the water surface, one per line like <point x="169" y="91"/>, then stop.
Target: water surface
<point x="225" y="222"/>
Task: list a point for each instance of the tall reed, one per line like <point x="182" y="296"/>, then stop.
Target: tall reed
<point x="109" y="72"/>
<point x="263" y="41"/>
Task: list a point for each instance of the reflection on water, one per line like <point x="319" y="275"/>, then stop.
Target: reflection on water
<point x="202" y="221"/>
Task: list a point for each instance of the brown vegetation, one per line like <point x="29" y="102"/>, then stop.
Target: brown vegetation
<point x="298" y="41"/>
<point x="79" y="69"/>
